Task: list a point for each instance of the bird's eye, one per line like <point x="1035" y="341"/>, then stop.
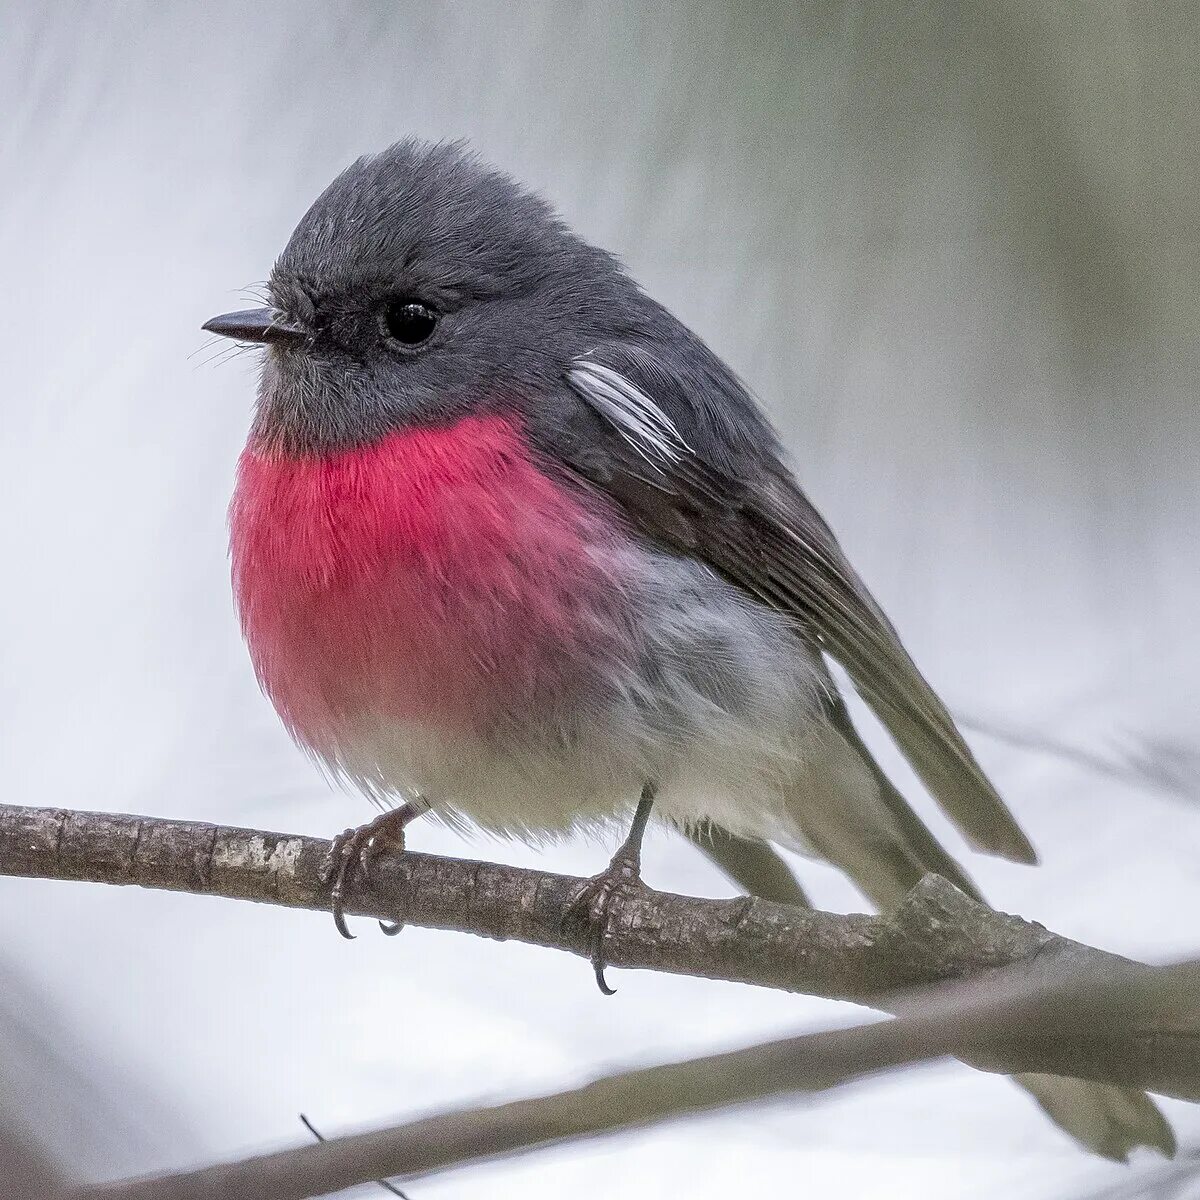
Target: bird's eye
<point x="408" y="321"/>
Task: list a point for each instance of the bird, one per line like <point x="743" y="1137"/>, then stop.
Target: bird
<point x="511" y="546"/>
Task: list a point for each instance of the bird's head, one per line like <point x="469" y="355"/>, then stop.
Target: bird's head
<point x="422" y="286"/>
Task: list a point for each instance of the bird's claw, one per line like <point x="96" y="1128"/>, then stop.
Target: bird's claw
<point x="359" y="849"/>
<point x="594" y="899"/>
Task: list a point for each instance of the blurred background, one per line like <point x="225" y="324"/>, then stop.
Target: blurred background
<point x="952" y="247"/>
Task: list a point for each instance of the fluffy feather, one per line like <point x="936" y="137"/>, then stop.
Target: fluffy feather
<point x="552" y="554"/>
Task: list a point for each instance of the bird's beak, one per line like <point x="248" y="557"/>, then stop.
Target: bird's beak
<point x="266" y="325"/>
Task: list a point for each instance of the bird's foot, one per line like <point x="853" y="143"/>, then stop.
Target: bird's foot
<point x="359" y="849"/>
<point x="594" y="900"/>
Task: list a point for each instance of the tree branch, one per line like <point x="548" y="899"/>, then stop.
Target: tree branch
<point x="940" y="1021"/>
<point x="937" y="935"/>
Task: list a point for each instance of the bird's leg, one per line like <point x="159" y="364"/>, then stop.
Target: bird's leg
<point x="357" y="849"/>
<point x="625" y="871"/>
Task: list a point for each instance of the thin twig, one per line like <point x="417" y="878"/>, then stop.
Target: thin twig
<point x="388" y="1187"/>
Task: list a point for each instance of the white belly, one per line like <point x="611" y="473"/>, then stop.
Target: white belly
<point x="717" y="703"/>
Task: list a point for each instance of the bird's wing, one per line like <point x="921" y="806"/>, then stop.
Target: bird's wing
<point x="744" y="515"/>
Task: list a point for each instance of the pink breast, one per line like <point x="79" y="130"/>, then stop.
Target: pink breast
<point x="429" y="577"/>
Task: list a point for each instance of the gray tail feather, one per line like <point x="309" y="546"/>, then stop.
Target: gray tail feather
<point x="1109" y="1120"/>
<point x="924" y="852"/>
<point x="1113" y="1121"/>
<point x="753" y="866"/>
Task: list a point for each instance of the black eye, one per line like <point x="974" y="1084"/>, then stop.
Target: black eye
<point x="408" y="321"/>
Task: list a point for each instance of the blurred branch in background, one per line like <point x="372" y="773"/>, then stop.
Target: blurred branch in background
<point x="1179" y="1180"/>
<point x="41" y="1093"/>
<point x="974" y="1015"/>
<point x="1170" y="767"/>
<point x="938" y="934"/>
<point x="26" y="1171"/>
<point x="70" y="1109"/>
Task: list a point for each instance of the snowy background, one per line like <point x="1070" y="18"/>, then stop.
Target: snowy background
<point x="953" y="247"/>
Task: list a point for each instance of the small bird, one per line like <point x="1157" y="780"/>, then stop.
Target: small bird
<point x="513" y="547"/>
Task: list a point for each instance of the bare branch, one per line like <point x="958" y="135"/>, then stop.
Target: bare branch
<point x="943" y="1020"/>
<point x="938" y="934"/>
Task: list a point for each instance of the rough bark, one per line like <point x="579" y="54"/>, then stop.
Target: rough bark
<point x="937" y="935"/>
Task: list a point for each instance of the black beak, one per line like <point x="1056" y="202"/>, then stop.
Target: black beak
<point x="257" y="325"/>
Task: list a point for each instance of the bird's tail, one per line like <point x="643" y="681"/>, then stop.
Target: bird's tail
<point x="852" y="815"/>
